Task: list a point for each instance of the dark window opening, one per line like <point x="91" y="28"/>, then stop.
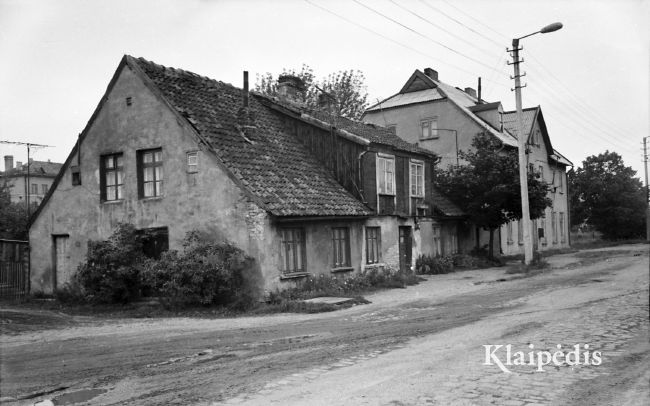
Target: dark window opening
<point x="76" y="176"/>
<point x="129" y="101"/>
<point x="155" y="241"/>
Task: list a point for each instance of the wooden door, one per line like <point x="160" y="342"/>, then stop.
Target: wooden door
<point x="61" y="256"/>
<point x="405" y="248"/>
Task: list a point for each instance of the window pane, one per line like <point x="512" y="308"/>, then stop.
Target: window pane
<point x="148" y="174"/>
<point x="157" y="156"/>
<point x="110" y="193"/>
<point x="425" y="129"/>
<point x="119" y="160"/>
<point x="119" y="192"/>
<point x="382" y="175"/>
<point x="148" y="189"/>
<point x="147" y="157"/>
<point x="110" y="178"/>
<point x="159" y="188"/>
<point x="108" y="162"/>
<point x="119" y="177"/>
<point x="192" y="158"/>
<point x="159" y="173"/>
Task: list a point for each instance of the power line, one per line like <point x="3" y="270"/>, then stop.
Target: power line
<point x="392" y="40"/>
<point x="460" y="38"/>
<point x="422" y="35"/>
<point x="460" y="23"/>
<point x="475" y="19"/>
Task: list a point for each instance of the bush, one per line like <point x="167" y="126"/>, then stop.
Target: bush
<point x="430" y="265"/>
<point x="111" y="273"/>
<point x="331" y="285"/>
<point x="203" y="273"/>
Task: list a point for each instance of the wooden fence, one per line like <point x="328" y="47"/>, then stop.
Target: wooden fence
<point x="14" y="269"/>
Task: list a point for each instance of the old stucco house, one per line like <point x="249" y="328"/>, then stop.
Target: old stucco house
<point x="445" y="119"/>
<point x="28" y="181"/>
<point x="300" y="191"/>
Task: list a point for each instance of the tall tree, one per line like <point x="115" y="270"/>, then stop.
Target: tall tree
<point x="606" y="195"/>
<point x="487" y="186"/>
<point x="346" y="89"/>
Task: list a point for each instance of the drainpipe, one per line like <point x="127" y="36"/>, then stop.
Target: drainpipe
<point x="361" y="154"/>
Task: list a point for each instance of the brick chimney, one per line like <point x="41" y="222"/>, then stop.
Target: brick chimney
<point x="290" y="88"/>
<point x="9" y="162"/>
<point x="470" y="91"/>
<point x="431" y="73"/>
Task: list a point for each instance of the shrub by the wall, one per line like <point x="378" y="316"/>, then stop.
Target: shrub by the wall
<point x="430" y="265"/>
<point x="111" y="273"/>
<point x="205" y="272"/>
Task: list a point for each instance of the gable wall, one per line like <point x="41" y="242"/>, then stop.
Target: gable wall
<point x="407" y="120"/>
<point x="208" y="200"/>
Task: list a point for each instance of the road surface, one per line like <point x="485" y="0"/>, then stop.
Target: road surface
<point x="424" y="345"/>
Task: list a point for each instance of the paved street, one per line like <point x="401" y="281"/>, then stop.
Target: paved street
<point x="420" y="346"/>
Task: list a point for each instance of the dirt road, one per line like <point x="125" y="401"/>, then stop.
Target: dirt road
<point x="421" y="345"/>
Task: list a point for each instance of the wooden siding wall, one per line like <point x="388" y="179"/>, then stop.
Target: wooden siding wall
<point x="340" y="156"/>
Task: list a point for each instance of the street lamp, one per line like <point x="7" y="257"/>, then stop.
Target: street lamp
<point x="523" y="176"/>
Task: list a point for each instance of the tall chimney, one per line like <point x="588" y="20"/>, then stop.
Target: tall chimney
<point x="289" y="87"/>
<point x="9" y="162"/>
<point x="431" y="73"/>
<point x="245" y="92"/>
<point x="479" y="89"/>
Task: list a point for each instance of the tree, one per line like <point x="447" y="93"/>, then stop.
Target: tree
<point x="346" y="88"/>
<point x="606" y="195"/>
<point x="487" y="186"/>
<point x="13" y="216"/>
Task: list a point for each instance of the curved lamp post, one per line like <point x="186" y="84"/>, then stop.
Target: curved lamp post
<point x="523" y="176"/>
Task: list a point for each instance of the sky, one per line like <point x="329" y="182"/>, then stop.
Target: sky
<point x="591" y="78"/>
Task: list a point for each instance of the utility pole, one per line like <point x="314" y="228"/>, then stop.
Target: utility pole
<point x="523" y="172"/>
<point x="522" y="138"/>
<point x="647" y="189"/>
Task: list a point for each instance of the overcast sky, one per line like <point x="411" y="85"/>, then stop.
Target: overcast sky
<point x="591" y="77"/>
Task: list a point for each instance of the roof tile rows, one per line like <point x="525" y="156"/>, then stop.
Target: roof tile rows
<point x="269" y="162"/>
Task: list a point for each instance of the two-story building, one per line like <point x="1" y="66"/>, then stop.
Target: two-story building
<point x="445" y="119"/>
<point x="28" y="181"/>
<point x="302" y="192"/>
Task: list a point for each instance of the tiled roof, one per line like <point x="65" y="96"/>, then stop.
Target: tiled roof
<point x="443" y="205"/>
<point x="36" y="168"/>
<point x="373" y="133"/>
<point x="270" y="163"/>
<point x="510" y="120"/>
<point x="402" y="99"/>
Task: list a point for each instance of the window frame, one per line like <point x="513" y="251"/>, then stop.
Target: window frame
<point x="416" y="163"/>
<point x="192" y="168"/>
<point x="432" y="133"/>
<point x="158" y="180"/>
<point x="117" y="171"/>
<point x="290" y="257"/>
<point x="554" y="226"/>
<point x="383" y="174"/>
<point x="373" y="239"/>
<point x="34" y="189"/>
<point x="341" y="247"/>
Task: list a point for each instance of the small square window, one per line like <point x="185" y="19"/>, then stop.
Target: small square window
<point x="76" y="176"/>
